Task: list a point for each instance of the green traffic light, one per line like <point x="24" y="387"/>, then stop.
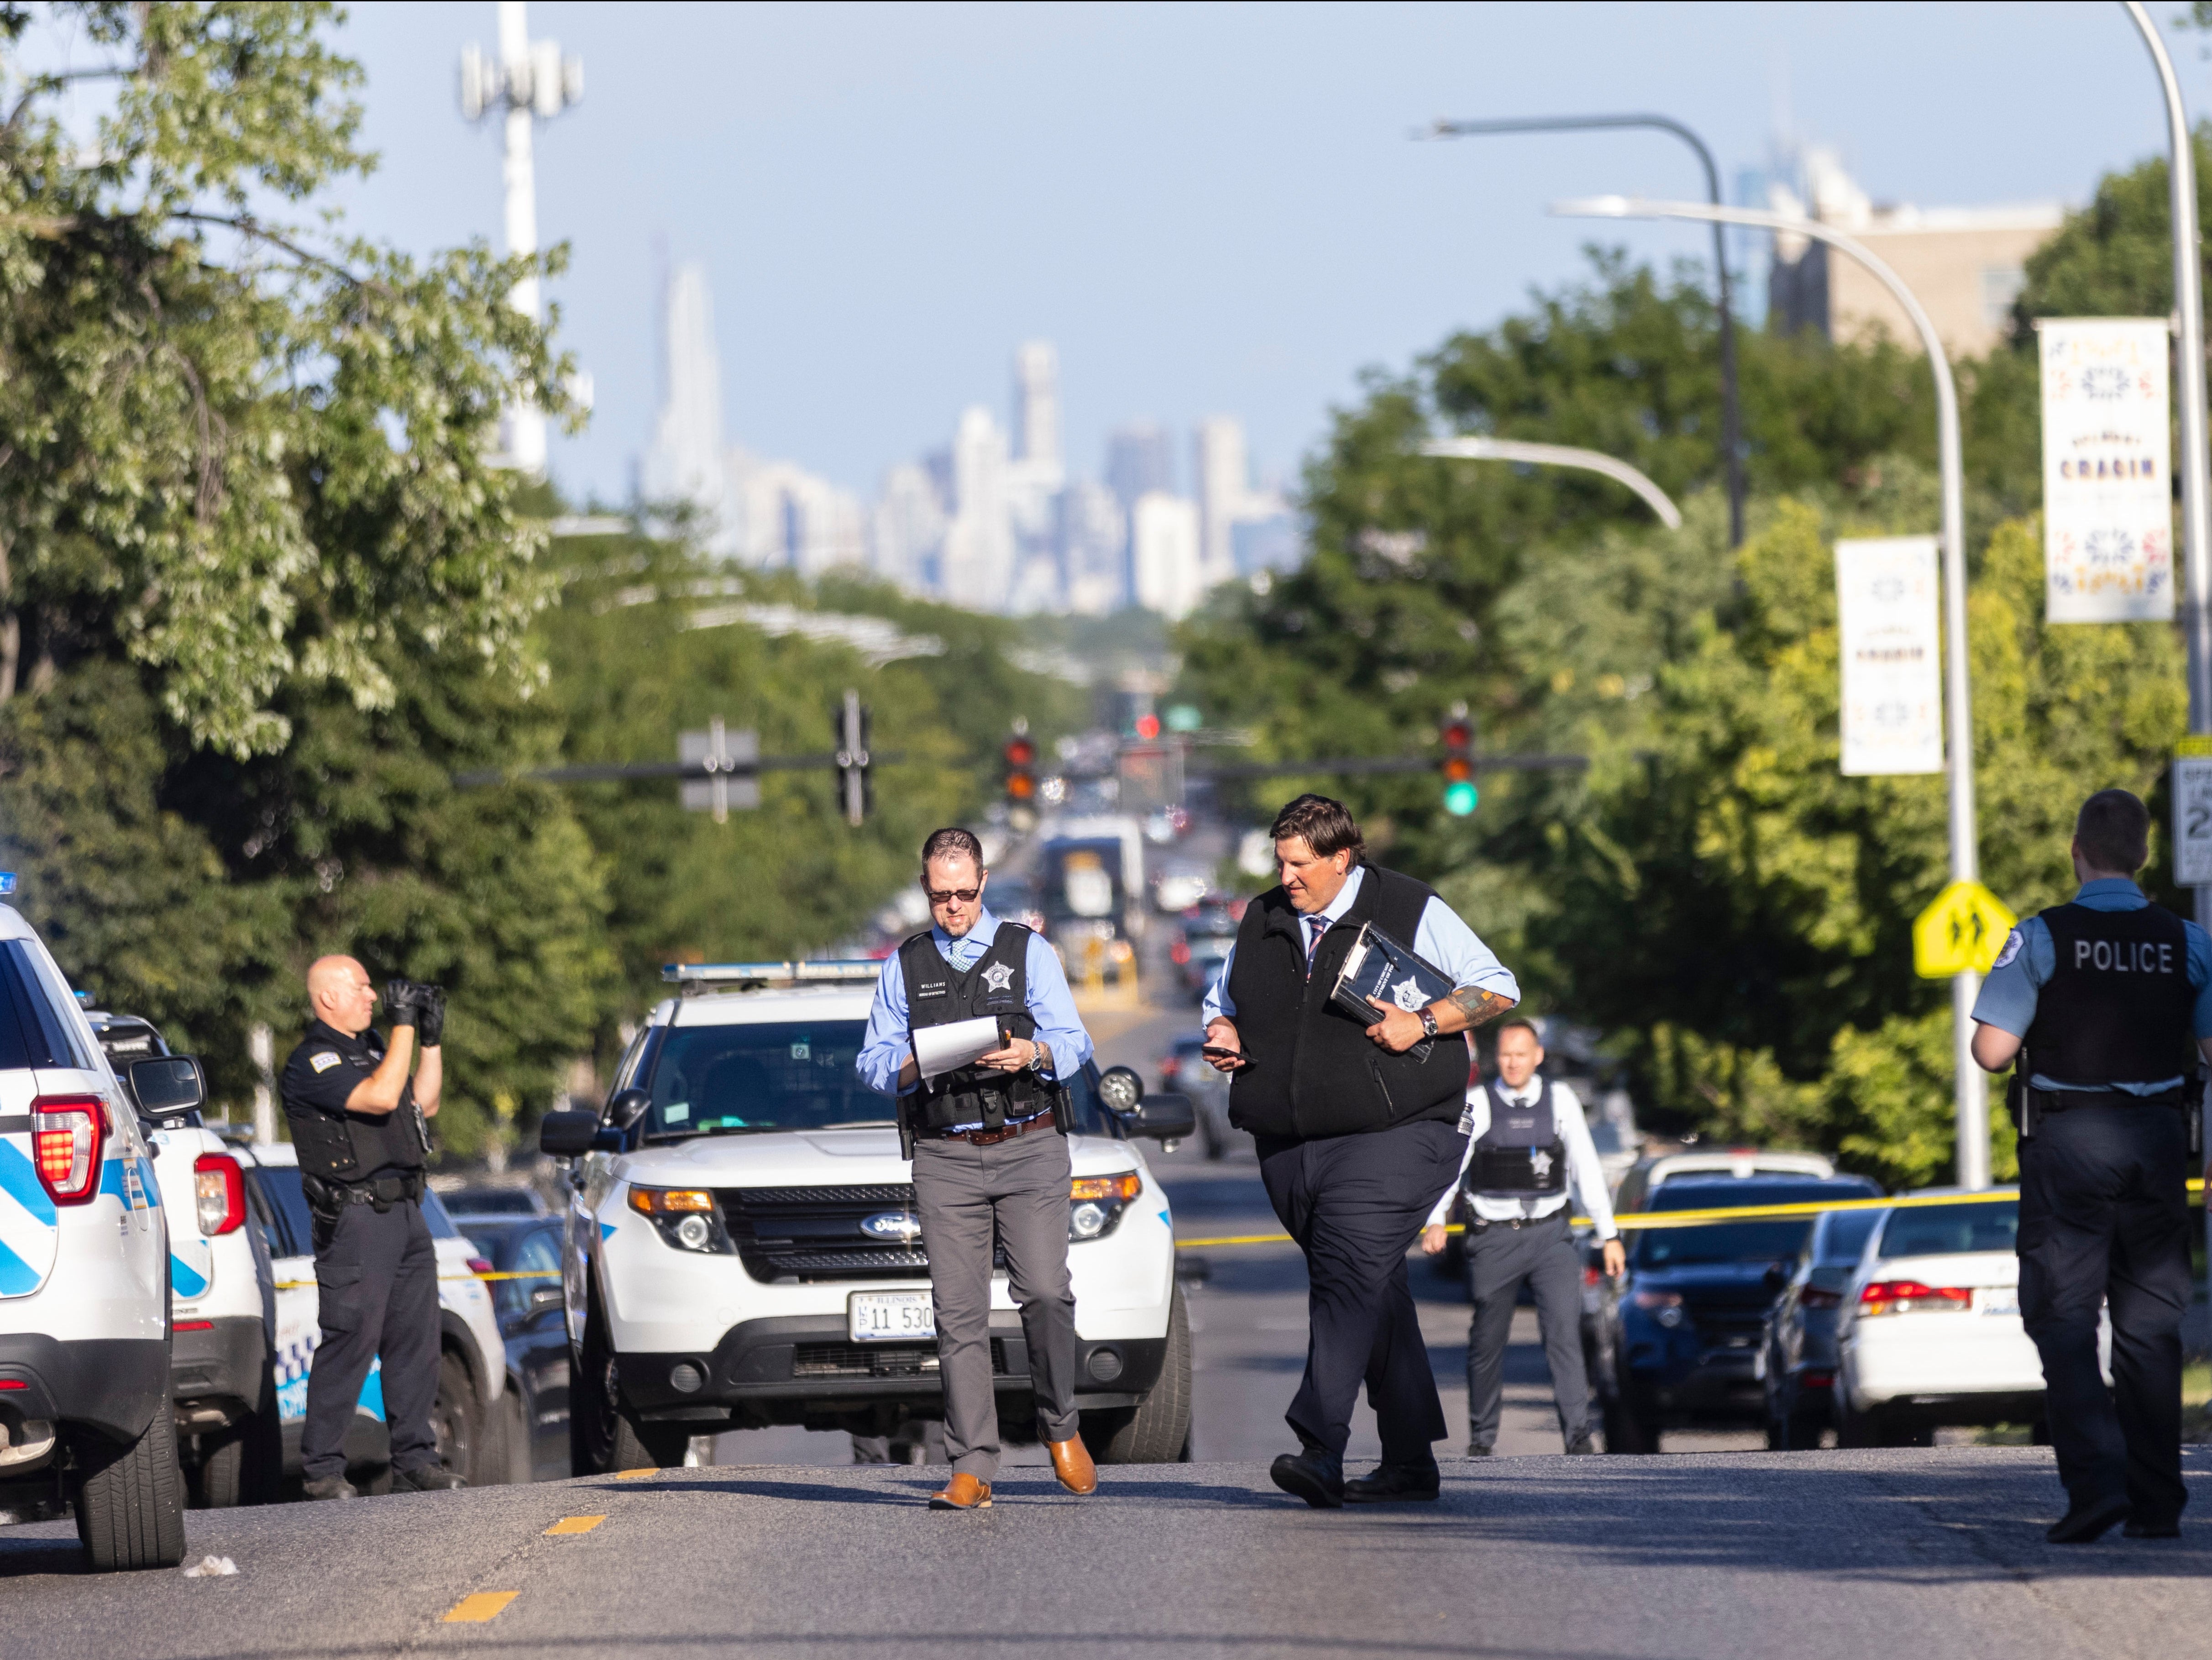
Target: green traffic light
<point x="1459" y="798"/>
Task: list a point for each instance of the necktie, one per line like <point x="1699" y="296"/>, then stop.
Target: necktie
<point x="1315" y="926"/>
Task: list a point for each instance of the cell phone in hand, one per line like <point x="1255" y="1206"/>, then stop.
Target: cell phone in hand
<point x="1215" y="1052"/>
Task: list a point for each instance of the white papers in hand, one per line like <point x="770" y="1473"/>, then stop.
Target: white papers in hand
<point x="940" y="1050"/>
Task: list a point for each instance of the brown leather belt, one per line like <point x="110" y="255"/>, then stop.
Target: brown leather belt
<point x="992" y="1138"/>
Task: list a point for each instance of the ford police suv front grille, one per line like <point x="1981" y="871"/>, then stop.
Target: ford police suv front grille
<point x="878" y="1359"/>
<point x="825" y="1233"/>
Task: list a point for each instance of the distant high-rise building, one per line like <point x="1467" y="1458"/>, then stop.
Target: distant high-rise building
<point x="1036" y="404"/>
<point x="781" y="517"/>
<point x="979" y="545"/>
<point x="908" y="528"/>
<point x="1138" y="462"/>
<point x="1165" y="554"/>
<point x="1094" y="540"/>
<point x="684" y="463"/>
<point x="1224" y="488"/>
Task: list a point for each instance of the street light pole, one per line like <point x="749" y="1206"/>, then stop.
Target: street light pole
<point x="1731" y="409"/>
<point x="2189" y="308"/>
<point x="1970" y="1093"/>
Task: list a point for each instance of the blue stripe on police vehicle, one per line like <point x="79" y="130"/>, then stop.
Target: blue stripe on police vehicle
<point x="29" y="1234"/>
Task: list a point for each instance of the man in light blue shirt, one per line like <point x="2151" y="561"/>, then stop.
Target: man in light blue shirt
<point x="989" y="1168"/>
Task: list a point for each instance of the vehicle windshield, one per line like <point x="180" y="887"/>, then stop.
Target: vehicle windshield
<point x="1714" y="1243"/>
<point x="1846" y="1235"/>
<point x="1951" y="1230"/>
<point x="781" y="1075"/>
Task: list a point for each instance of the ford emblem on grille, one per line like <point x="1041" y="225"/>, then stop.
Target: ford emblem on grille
<point x="902" y="1225"/>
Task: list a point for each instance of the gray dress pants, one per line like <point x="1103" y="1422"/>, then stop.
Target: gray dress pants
<point x="1499" y="1256"/>
<point x="1014" y="1193"/>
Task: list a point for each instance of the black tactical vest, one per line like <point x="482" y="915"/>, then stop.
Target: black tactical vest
<point x="937" y="994"/>
<point x="1316" y="1070"/>
<point x="2118" y="1007"/>
<point x="1521" y="1154"/>
<point x="353" y="1147"/>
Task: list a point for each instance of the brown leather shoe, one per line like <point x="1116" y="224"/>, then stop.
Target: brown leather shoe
<point x="963" y="1492"/>
<point x="1071" y="1462"/>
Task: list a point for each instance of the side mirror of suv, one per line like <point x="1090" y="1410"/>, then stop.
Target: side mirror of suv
<point x="567" y="1135"/>
<point x="1120" y="1089"/>
<point x="1163" y="1117"/>
<point x="627" y="1107"/>
<point x="168" y="1086"/>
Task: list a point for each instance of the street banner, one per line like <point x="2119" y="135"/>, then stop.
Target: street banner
<point x="2193" y="821"/>
<point x="2107" y="483"/>
<point x="1893" y="690"/>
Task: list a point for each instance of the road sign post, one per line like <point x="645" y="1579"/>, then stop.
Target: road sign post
<point x="729" y="758"/>
<point x="850" y="717"/>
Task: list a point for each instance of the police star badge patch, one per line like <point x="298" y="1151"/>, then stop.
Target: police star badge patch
<point x="998" y="976"/>
<point x="324" y="1062"/>
<point x="2012" y="944"/>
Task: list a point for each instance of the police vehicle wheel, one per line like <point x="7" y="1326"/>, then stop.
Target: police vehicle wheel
<point x="457" y="1420"/>
<point x="130" y="1500"/>
<point x="219" y="1480"/>
<point x="592" y="1421"/>
<point x="1158" y="1432"/>
<point x="649" y="1446"/>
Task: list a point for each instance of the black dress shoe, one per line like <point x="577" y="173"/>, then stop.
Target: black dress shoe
<point x="431" y="1478"/>
<point x="2087" y="1520"/>
<point x="1314" y="1476"/>
<point x="1580" y="1447"/>
<point x="2163" y="1527"/>
<point x="1389" y="1484"/>
<point x="329" y="1487"/>
<point x="1478" y="1449"/>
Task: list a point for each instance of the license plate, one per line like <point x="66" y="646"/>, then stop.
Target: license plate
<point x="891" y="1317"/>
<point x="2000" y="1302"/>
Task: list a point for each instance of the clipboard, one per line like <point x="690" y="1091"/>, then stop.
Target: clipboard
<point x="1394" y="975"/>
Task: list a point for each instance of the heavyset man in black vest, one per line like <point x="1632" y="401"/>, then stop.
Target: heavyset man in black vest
<point x="1357" y="1129"/>
<point x="990" y="1157"/>
<point x="360" y="1124"/>
<point x="2104" y="1009"/>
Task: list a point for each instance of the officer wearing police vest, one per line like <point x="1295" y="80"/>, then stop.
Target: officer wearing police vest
<point x="1528" y="1145"/>
<point x="988" y="1142"/>
<point x="360" y="1125"/>
<point x="2104" y="1008"/>
<point x="1357" y="1127"/>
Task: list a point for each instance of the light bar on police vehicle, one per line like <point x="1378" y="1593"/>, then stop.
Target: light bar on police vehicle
<point x="852" y="970"/>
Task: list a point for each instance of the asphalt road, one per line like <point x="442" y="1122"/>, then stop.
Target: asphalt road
<point x="1841" y="1554"/>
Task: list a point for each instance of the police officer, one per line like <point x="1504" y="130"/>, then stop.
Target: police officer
<point x="1357" y="1126"/>
<point x="1528" y="1145"/>
<point x="358" y="1122"/>
<point x="2095" y="1004"/>
<point x="990" y="1157"/>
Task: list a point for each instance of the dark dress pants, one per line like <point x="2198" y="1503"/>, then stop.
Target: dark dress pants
<point x="1014" y="1193"/>
<point x="376" y="1286"/>
<point x="2104" y="1218"/>
<point x="1355" y="1204"/>
<point x="1499" y="1256"/>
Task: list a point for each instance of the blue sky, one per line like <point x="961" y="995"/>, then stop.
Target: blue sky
<point x="1209" y="209"/>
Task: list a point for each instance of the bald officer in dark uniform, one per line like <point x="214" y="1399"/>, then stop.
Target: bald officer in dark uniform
<point x="2103" y="1004"/>
<point x="360" y="1124"/>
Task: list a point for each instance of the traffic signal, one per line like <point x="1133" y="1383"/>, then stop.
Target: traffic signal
<point x="1457" y="736"/>
<point x="1021" y="755"/>
<point x="850" y="720"/>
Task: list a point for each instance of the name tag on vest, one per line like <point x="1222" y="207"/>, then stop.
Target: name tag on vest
<point x="2123" y="956"/>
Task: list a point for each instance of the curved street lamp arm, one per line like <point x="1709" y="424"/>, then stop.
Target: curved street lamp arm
<point x="1559" y="455"/>
<point x="1731" y="401"/>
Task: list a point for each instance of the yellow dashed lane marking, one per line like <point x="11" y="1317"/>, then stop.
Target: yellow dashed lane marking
<point x="576" y="1524"/>
<point x="635" y="1475"/>
<point x="483" y="1606"/>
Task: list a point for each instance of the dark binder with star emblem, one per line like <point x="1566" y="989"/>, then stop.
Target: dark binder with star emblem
<point x="1392" y="973"/>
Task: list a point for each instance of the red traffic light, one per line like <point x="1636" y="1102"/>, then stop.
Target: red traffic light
<point x="1021" y="752"/>
<point x="1458" y="735"/>
<point x="1148" y="726"/>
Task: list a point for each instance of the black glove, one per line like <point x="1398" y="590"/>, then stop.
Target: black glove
<point x="402" y="1002"/>
<point x="430" y="1020"/>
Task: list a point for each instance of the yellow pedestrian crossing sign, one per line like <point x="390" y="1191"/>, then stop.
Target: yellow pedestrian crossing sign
<point x="1963" y="930"/>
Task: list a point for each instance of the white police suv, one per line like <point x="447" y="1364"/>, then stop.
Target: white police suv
<point x="742" y="1247"/>
<point x="84" y="1278"/>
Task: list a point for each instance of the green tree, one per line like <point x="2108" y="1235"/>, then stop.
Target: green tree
<point x="262" y="588"/>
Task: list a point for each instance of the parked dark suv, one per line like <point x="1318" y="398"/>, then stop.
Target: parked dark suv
<point x="1678" y="1335"/>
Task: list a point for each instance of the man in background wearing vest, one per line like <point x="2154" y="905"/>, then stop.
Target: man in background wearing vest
<point x="1528" y="1145"/>
<point x="1357" y="1126"/>
<point x="358" y="1120"/>
<point x="2098" y="1002"/>
<point x="990" y="1159"/>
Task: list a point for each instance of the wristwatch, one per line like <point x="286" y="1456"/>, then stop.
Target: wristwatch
<point x="1429" y="1022"/>
<point x="1037" y="1057"/>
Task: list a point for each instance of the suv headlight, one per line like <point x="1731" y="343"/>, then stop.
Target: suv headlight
<point x="687" y="1218"/>
<point x="1094" y="1204"/>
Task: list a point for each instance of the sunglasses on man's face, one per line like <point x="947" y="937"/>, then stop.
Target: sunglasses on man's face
<point x="953" y="896"/>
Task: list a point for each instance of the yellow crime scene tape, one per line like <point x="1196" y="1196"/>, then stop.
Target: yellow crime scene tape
<point x="1691" y="1219"/>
